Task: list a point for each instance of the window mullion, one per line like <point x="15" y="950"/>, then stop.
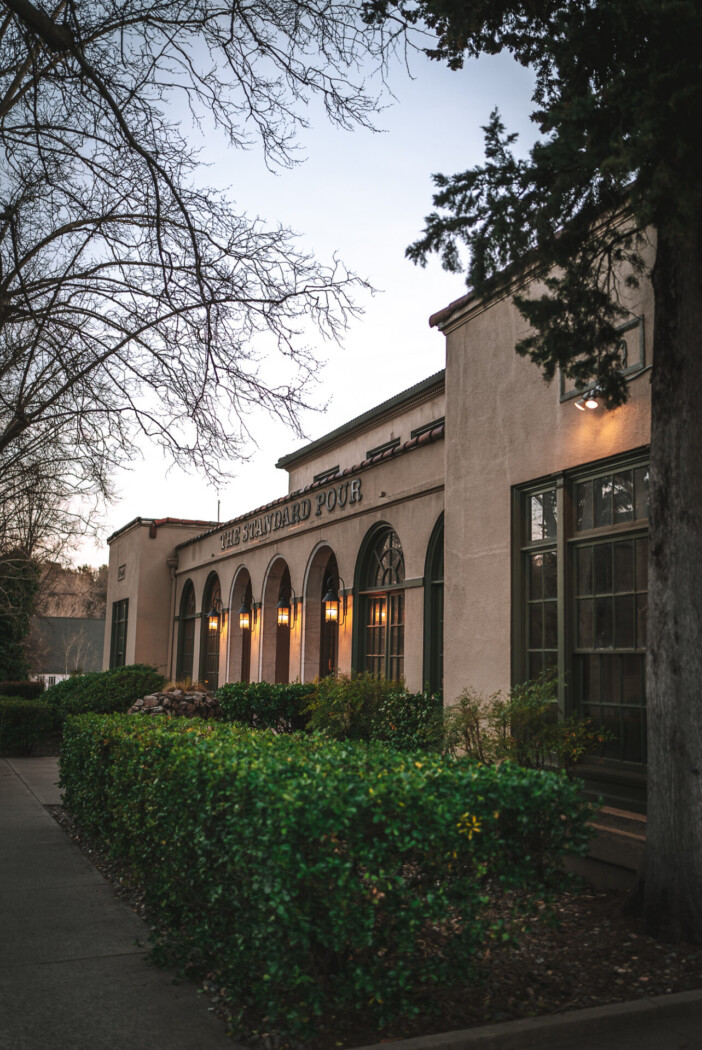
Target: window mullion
<point x="562" y="578"/>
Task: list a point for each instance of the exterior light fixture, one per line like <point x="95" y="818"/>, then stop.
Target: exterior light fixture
<point x="247" y="612"/>
<point x="590" y="399"/>
<point x="332" y="603"/>
<point x="213" y="616"/>
<point x="287" y="608"/>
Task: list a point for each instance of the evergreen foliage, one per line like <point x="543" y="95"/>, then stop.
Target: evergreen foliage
<point x="306" y="876"/>
<point x="103" y="692"/>
<point x="23" y="723"/>
<point x="19" y="580"/>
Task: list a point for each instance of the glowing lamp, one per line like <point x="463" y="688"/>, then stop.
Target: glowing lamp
<point x="331" y="605"/>
<point x="213" y="619"/>
<point x="283" y="608"/>
<point x="245" y="617"/>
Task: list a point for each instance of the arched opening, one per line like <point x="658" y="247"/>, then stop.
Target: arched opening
<point x="434" y="610"/>
<point x="186" y="633"/>
<point x="321" y="635"/>
<point x="209" y="647"/>
<point x="240" y="636"/>
<point x="275" y="664"/>
<point x="380" y="577"/>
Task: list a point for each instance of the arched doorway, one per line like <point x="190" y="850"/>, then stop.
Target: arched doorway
<point x="240" y="636"/>
<point x="209" y="646"/>
<point x="380" y="577"/>
<point x="434" y="609"/>
<point x="186" y="633"/>
<point x="321" y="635"/>
<point x="275" y="661"/>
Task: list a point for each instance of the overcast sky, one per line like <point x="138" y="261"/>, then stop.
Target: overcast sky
<point x="362" y="196"/>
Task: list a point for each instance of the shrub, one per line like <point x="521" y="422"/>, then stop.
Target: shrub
<point x="23" y="723"/>
<point x="22" y="690"/>
<point x="103" y="692"/>
<point x="523" y="726"/>
<point x="262" y="705"/>
<point x="409" y="721"/>
<point x="310" y="875"/>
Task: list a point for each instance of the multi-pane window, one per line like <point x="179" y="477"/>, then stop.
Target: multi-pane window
<point x="610" y="607"/>
<point x="383" y="599"/>
<point x="541" y="583"/>
<point x="118" y="640"/>
<point x="586" y="533"/>
<point x="209" y="656"/>
<point x="186" y="633"/>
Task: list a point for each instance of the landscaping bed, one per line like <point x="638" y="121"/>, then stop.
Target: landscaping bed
<point x="585" y="954"/>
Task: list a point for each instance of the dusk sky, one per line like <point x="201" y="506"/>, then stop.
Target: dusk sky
<point x="362" y="196"/>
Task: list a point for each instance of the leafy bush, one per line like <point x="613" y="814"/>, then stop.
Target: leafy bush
<point x="262" y="705"/>
<point x="361" y="706"/>
<point x="310" y="875"/>
<point x="103" y="692"/>
<point x="23" y="723"/>
<point x="22" y="690"/>
<point x="523" y="726"/>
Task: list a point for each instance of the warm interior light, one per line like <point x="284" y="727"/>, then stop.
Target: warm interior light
<point x="382" y="613"/>
<point x="283" y="614"/>
<point x="331" y="605"/>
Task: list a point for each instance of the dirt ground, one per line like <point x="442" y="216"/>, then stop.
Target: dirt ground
<point x="587" y="954"/>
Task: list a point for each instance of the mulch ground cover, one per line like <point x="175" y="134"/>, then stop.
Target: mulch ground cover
<point x="581" y="951"/>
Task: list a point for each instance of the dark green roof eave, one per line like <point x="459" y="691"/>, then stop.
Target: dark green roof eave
<point x="436" y="380"/>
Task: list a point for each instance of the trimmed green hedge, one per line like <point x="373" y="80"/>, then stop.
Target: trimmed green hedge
<point x="262" y="705"/>
<point x="103" y="692"/>
<point x="309" y="875"/>
<point x="22" y="690"/>
<point x="23" y="723"/>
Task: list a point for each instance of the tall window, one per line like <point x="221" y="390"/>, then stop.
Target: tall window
<point x="209" y="652"/>
<point x="245" y="668"/>
<point x="329" y="631"/>
<point x="584" y="565"/>
<point x="383" y="607"/>
<point x="186" y="633"/>
<point x="118" y="640"/>
<point x="282" y="640"/>
<point x="434" y="610"/>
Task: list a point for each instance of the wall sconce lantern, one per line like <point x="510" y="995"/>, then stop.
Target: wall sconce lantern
<point x="332" y="603"/>
<point x="589" y="400"/>
<point x="213" y="616"/>
<point x="287" y="608"/>
<point x="247" y="612"/>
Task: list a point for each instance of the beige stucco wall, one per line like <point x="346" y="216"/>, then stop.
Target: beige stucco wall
<point x="353" y="447"/>
<point x="506" y="427"/>
<point x="405" y="492"/>
<point x="147" y="585"/>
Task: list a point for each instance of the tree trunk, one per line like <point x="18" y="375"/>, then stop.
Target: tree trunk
<point x="671" y="893"/>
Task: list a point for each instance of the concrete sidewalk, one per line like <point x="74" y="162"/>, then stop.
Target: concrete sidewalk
<point x="72" y="969"/>
<point x="73" y="976"/>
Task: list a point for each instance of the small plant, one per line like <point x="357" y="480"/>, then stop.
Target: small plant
<point x="186" y="685"/>
<point x="523" y="726"/>
<point x="264" y="705"/>
<point x="103" y="692"/>
<point x="345" y="706"/>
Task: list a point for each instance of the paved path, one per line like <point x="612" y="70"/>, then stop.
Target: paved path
<point x="73" y="974"/>
<point x="72" y="969"/>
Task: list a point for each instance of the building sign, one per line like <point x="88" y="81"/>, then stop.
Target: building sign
<point x="323" y="502"/>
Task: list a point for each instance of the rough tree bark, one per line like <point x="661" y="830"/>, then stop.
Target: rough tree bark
<point x="671" y="894"/>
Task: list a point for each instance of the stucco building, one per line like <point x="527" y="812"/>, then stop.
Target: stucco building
<point x="471" y="531"/>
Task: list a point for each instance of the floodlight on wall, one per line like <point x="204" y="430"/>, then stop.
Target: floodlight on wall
<point x="590" y="400"/>
<point x="287" y="608"/>
<point x="213" y="616"/>
<point x="332" y="605"/>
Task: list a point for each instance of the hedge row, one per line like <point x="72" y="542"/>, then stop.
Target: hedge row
<point x="310" y="875"/>
<point x="359" y="706"/>
<point x="22" y="690"/>
<point x="102" y="692"/>
<point x="23" y="723"/>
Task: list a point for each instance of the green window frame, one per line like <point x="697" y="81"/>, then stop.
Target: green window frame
<point x="580" y="595"/>
<point x="118" y="639"/>
<point x="186" y="633"/>
<point x="382" y="606"/>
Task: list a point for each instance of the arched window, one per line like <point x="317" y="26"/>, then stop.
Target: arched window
<point x="329" y="631"/>
<point x="240" y="637"/>
<point x="186" y="633"/>
<point x="381" y="587"/>
<point x="282" y="641"/>
<point x="209" y="650"/>
<point x="434" y="609"/>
